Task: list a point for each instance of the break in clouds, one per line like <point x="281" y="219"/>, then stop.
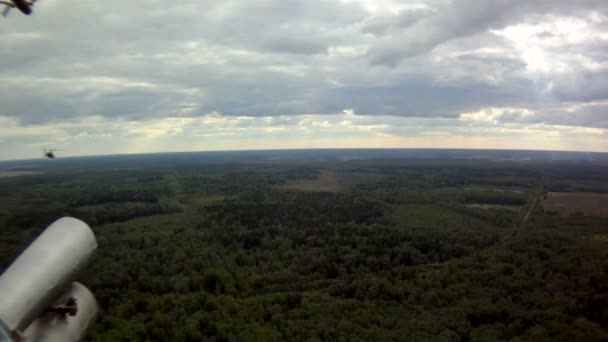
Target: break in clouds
<point x="140" y="76"/>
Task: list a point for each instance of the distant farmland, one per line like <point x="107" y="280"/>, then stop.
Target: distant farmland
<point x="9" y="174"/>
<point x="333" y="181"/>
<point x="514" y="208"/>
<point x="568" y="203"/>
<point x="327" y="181"/>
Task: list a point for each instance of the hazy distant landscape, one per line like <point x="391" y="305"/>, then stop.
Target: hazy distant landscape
<point x="330" y="245"/>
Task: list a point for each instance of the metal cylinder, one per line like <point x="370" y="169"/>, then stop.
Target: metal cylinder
<point x="44" y="271"/>
<point x="53" y="328"/>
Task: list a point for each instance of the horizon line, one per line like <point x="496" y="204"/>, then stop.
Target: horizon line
<point x="310" y="149"/>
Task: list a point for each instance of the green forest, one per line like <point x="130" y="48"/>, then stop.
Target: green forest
<point x="395" y="250"/>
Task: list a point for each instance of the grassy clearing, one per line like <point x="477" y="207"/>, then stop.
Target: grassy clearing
<point x="205" y="200"/>
<point x="600" y="238"/>
<point x="432" y="217"/>
<point x="568" y="203"/>
<point x="495" y="189"/>
<point x="327" y="181"/>
<point x="513" y="208"/>
<point x="332" y="181"/>
<point x="10" y="174"/>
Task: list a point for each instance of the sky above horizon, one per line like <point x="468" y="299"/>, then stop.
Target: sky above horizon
<point x="109" y="77"/>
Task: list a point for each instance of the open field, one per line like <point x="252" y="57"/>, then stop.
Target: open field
<point x="585" y="203"/>
<point x="514" y="208"/>
<point x="327" y="181"/>
<point x="202" y="201"/>
<point x="332" y="181"/>
<point x="10" y="174"/>
<point x="495" y="189"/>
<point x="600" y="238"/>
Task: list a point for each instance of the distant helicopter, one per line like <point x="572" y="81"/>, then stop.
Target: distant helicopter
<point x="50" y="153"/>
<point x="24" y="6"/>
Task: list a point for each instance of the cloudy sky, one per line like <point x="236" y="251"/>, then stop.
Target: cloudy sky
<point x="113" y="76"/>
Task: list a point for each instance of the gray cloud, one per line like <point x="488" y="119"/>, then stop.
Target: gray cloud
<point x="582" y="85"/>
<point x="144" y="60"/>
<point x="299" y="44"/>
<point x="586" y="116"/>
<point x="382" y="24"/>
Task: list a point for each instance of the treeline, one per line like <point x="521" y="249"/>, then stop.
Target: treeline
<point x="117" y="212"/>
<point x="121" y="195"/>
<point x="294" y="209"/>
<point x="570" y="178"/>
<point x="494" y="197"/>
<point x="231" y="182"/>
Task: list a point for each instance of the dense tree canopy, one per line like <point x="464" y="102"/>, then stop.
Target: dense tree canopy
<point x="224" y="252"/>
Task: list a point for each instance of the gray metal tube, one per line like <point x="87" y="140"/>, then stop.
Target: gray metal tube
<point x="44" y="271"/>
<point x="52" y="328"/>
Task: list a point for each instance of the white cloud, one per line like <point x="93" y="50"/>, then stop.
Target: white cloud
<point x="497" y="115"/>
<point x="546" y="46"/>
